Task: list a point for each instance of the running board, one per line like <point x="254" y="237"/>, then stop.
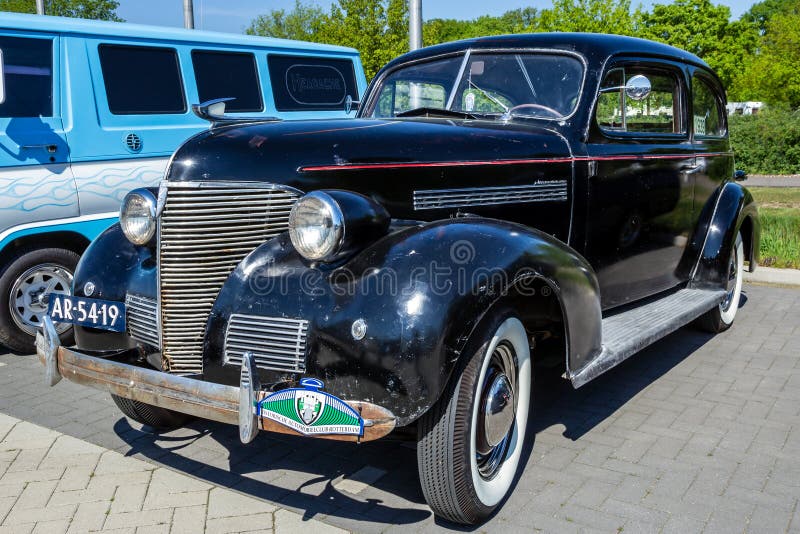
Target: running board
<point x="626" y="333"/>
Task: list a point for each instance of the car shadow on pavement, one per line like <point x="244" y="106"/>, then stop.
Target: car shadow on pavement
<point x="302" y="474"/>
<point x="293" y="472"/>
<point x="556" y="402"/>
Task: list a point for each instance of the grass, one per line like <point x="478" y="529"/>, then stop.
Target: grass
<point x="779" y="211"/>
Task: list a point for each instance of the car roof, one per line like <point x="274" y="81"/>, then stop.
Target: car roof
<point x="586" y="44"/>
<point x="63" y="25"/>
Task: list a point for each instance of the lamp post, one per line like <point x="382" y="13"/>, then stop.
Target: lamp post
<point x="40" y="7"/>
<point x="188" y="15"/>
<point x="415" y="24"/>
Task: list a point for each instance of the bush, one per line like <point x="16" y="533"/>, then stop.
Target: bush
<point x="767" y="143"/>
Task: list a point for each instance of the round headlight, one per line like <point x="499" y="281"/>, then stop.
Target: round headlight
<point x="316" y="226"/>
<point x="138" y="216"/>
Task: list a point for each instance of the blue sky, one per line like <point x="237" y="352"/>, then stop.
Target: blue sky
<point x="235" y="15"/>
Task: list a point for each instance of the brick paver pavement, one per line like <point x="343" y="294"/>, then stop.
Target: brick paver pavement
<point x="53" y="483"/>
<point x="698" y="433"/>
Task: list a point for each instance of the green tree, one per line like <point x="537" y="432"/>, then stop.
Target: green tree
<point x="705" y="30"/>
<point x="773" y="75"/>
<point x="522" y="20"/>
<point x="597" y="16"/>
<point x="82" y="9"/>
<point x="302" y="23"/>
<point x="376" y="28"/>
<point x="762" y="12"/>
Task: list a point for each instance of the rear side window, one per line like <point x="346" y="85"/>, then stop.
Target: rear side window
<point x="29" y="77"/>
<point x="228" y="74"/>
<point x="706" y="110"/>
<point x="658" y="113"/>
<point x="142" y="80"/>
<point x="308" y="83"/>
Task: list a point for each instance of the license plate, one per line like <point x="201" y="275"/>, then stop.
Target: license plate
<point x="95" y="313"/>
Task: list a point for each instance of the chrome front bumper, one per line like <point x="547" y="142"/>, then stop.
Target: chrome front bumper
<point x="207" y="400"/>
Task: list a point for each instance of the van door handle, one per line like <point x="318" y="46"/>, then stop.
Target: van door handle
<point x="50" y="148"/>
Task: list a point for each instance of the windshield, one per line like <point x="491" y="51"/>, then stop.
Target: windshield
<point x="536" y="85"/>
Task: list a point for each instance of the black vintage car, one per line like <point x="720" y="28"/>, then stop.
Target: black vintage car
<point x="500" y="205"/>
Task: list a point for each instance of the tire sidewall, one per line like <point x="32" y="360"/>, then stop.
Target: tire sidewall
<point x="727" y="316"/>
<point x="487" y="495"/>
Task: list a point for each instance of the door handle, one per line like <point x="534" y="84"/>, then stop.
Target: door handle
<point x="690" y="169"/>
<point x="50" y="148"/>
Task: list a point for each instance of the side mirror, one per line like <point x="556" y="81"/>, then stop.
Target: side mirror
<point x="2" y="79"/>
<point x="638" y="87"/>
<point x="213" y="111"/>
<point x="350" y="104"/>
<point x="739" y="175"/>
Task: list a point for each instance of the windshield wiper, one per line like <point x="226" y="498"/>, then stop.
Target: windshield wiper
<point x="490" y="97"/>
<point x="435" y="112"/>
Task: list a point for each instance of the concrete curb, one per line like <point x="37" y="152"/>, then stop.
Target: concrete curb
<point x="772" y="276"/>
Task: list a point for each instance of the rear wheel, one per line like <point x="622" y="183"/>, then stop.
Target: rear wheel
<point x="471" y="441"/>
<point x="147" y="414"/>
<point x="25" y="287"/>
<point x="721" y="317"/>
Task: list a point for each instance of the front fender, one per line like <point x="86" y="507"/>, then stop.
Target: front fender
<point x="421" y="290"/>
<point x="116" y="267"/>
<point x="734" y="211"/>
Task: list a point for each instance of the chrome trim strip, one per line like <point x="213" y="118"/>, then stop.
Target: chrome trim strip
<point x="541" y="191"/>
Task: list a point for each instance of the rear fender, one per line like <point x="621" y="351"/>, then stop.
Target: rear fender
<point x="734" y="211"/>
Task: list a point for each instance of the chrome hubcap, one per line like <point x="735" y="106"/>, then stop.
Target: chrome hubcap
<point x="30" y="295"/>
<point x="498" y="407"/>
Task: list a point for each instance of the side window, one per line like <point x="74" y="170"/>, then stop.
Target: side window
<point x="228" y="74"/>
<point x="658" y="113"/>
<point x="301" y="83"/>
<point x="142" y="80"/>
<point x="29" y="77"/>
<point x="403" y="95"/>
<point x="611" y="102"/>
<point x="706" y="110"/>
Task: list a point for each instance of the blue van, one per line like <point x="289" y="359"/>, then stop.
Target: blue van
<point x="91" y="110"/>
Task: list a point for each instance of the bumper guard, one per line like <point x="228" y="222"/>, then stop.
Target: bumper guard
<point x="207" y="400"/>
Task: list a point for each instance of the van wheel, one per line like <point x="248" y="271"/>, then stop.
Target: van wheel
<point x="25" y="285"/>
<point x="147" y="414"/>
<point x="470" y="442"/>
<point x="721" y="317"/>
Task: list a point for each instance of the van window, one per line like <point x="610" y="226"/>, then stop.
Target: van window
<point x="228" y="74"/>
<point x="142" y="80"/>
<point x="29" y="77"/>
<point x="307" y="83"/>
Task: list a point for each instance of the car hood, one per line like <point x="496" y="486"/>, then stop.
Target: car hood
<point x="292" y="152"/>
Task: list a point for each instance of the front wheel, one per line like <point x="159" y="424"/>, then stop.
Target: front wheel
<point x="721" y="317"/>
<point x="25" y="287"/>
<point x="470" y="442"/>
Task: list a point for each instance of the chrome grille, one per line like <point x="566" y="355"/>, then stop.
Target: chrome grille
<point x="205" y="230"/>
<point x="141" y="316"/>
<point x="276" y="343"/>
<point x="552" y="190"/>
